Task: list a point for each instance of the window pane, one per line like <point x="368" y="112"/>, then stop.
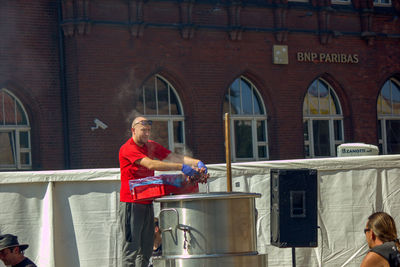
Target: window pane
<point x="323" y="99"/>
<point x="243" y="139"/>
<point x="262" y="151"/>
<point x="385" y="94"/>
<point x="258" y="107"/>
<point x="305" y="130"/>
<point x="175" y="106"/>
<point x="159" y="132"/>
<point x="396" y="98"/>
<point x="321" y="138"/>
<point x="393" y="136"/>
<point x="247" y="99"/>
<point x="161" y="104"/>
<point x="235" y="97"/>
<point x="162" y="91"/>
<point x="307" y="150"/>
<point x="338" y="130"/>
<point x="335" y="107"/>
<point x="7" y="146"/>
<point x="261" y="136"/>
<point x="178" y="131"/>
<point x="313" y="89"/>
<point x="312" y="96"/>
<point x="380" y="149"/>
<point x="25" y="158"/>
<point x="24" y="139"/>
<point x="379" y="129"/>
<point x="12" y="114"/>
<point x="320" y="99"/>
<point x="150" y="98"/>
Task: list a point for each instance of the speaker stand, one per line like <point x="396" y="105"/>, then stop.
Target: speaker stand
<point x="293" y="256"/>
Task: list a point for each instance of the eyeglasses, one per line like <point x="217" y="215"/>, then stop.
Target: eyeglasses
<point x="143" y="122"/>
<point x="366" y="230"/>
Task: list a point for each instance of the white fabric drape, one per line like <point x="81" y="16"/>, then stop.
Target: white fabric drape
<point x="70" y="217"/>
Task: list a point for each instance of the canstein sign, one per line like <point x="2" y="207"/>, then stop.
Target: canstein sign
<point x="327" y="57"/>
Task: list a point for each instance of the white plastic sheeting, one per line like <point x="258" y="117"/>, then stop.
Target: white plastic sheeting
<point x="70" y="218"/>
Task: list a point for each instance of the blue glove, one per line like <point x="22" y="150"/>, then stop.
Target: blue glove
<point x="187" y="170"/>
<point x="201" y="165"/>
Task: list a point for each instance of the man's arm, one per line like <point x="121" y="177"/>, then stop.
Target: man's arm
<point x="157" y="165"/>
<point x="178" y="158"/>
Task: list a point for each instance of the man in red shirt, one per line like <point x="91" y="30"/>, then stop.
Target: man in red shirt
<point x="139" y="157"/>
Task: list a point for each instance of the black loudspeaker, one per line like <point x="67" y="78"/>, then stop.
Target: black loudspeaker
<point x="294" y="208"/>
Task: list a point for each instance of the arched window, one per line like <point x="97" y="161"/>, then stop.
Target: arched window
<point x="388" y="108"/>
<point x="15" y="141"/>
<point x="249" y="136"/>
<point x="159" y="102"/>
<point x="323" y="120"/>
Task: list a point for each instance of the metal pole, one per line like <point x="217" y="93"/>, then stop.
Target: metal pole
<point x="228" y="153"/>
<point x="293" y="257"/>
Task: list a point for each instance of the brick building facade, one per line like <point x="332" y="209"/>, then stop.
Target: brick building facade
<point x="185" y="63"/>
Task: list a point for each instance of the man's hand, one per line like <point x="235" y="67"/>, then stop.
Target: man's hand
<point x="187" y="170"/>
<point x="201" y="166"/>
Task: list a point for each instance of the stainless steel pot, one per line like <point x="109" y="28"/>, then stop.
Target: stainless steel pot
<point x="212" y="224"/>
<point x="225" y="261"/>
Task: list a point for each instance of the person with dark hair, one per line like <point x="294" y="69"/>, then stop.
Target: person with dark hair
<point x="157" y="245"/>
<point x="381" y="236"/>
<point x="139" y="157"/>
<point x="12" y="253"/>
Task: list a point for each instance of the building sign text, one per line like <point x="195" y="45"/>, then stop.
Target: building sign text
<point x="327" y="57"/>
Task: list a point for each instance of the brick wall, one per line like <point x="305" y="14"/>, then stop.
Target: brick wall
<point x="113" y="58"/>
<point x="29" y="68"/>
<point x="112" y="48"/>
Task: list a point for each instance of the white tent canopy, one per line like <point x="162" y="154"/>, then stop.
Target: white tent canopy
<point x="70" y="217"/>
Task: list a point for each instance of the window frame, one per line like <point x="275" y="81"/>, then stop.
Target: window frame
<point x="333" y="143"/>
<point x="299" y="1"/>
<point x="15" y="130"/>
<point x="382" y="118"/>
<point x="331" y="118"/>
<point x="341" y="2"/>
<point x="170" y="119"/>
<point x="379" y="3"/>
<point x="253" y="118"/>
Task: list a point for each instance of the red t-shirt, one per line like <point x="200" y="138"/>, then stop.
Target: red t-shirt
<point x="128" y="154"/>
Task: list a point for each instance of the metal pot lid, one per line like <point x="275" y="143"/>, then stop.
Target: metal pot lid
<point x="207" y="196"/>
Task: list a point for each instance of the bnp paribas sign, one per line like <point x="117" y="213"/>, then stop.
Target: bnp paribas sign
<point x="327" y="57"/>
<point x="281" y="56"/>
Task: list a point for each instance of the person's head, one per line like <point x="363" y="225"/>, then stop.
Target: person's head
<point x="11" y="252"/>
<point x="380" y="228"/>
<point x="141" y="129"/>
